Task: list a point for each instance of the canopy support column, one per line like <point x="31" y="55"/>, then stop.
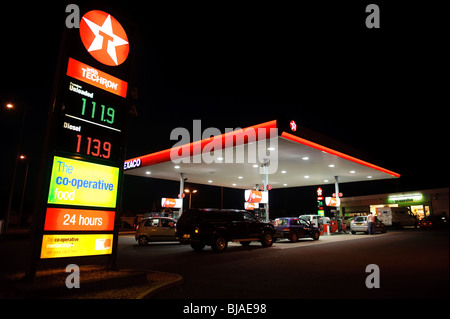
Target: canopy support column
<point x="181" y="191"/>
<point x="266" y="182"/>
<point x="336" y="191"/>
<point x="338" y="203"/>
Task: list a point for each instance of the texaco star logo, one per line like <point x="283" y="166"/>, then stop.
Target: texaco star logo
<point x="104" y="38"/>
<point x="319" y="192"/>
<point x="293" y="126"/>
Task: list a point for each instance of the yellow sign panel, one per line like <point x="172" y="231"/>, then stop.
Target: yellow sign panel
<point x="55" y="246"/>
<point x="81" y="183"/>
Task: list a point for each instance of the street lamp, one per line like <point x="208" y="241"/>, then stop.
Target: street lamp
<point x="23" y="158"/>
<point x="187" y="190"/>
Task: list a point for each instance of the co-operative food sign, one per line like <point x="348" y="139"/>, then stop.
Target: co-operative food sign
<point x="75" y="182"/>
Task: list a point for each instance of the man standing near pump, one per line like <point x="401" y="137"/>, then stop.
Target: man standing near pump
<point x="371" y="224"/>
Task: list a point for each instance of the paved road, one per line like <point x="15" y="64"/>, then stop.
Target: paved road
<point x="412" y="263"/>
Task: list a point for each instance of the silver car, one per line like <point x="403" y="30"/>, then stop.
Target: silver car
<point x="156" y="229"/>
<point x="359" y="224"/>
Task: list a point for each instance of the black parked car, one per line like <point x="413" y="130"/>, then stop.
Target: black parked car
<point x="216" y="227"/>
<point x="434" y="222"/>
<point x="294" y="228"/>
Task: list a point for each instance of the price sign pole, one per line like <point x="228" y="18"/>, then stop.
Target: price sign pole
<point x="78" y="202"/>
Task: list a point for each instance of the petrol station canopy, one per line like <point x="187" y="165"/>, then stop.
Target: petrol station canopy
<point x="295" y="156"/>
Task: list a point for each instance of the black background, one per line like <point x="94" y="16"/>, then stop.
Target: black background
<point x="234" y="65"/>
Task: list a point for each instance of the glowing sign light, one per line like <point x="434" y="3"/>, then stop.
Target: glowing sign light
<point x="56" y="246"/>
<point x="64" y="219"/>
<point x="253" y="196"/>
<point x="293" y="126"/>
<point x="104" y="37"/>
<point x="405" y="198"/>
<point x="250" y="206"/>
<point x="332" y="201"/>
<point x="319" y="191"/>
<point x="97" y="78"/>
<point x="80" y="183"/>
<point x="171" y="202"/>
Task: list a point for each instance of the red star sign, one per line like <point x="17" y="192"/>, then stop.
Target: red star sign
<point x="293" y="126"/>
<point x="319" y="192"/>
<point x="104" y="37"/>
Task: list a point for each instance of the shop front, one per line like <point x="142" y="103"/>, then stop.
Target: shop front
<point x="421" y="203"/>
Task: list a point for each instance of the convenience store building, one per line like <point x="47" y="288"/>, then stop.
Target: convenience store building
<point x="421" y="203"/>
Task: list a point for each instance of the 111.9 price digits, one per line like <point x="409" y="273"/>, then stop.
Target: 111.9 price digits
<point x="94" y="111"/>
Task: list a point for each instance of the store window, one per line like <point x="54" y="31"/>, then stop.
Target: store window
<point x="420" y="211"/>
<point x="373" y="208"/>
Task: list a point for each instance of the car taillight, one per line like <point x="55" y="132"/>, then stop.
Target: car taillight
<point x="286" y="229"/>
<point x="196" y="230"/>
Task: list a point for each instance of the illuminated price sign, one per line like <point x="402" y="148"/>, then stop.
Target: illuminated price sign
<point x="92" y="106"/>
<point x="90" y="124"/>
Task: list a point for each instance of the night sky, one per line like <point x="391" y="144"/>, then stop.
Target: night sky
<point x="235" y="65"/>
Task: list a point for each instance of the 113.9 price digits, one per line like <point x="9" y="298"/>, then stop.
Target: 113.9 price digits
<point x="93" y="147"/>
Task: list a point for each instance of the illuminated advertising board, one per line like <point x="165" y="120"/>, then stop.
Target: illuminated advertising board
<point x="252" y="196"/>
<point x="250" y="206"/>
<point x="56" y="246"/>
<point x="75" y="182"/>
<point x="331" y="201"/>
<point x="171" y="202"/>
<point x="65" y="219"/>
<point x="87" y="140"/>
<point x="97" y="78"/>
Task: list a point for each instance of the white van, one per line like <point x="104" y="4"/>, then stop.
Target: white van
<point x="396" y="216"/>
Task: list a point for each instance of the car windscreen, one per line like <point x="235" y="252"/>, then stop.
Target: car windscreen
<point x="281" y="222"/>
<point x="360" y="219"/>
